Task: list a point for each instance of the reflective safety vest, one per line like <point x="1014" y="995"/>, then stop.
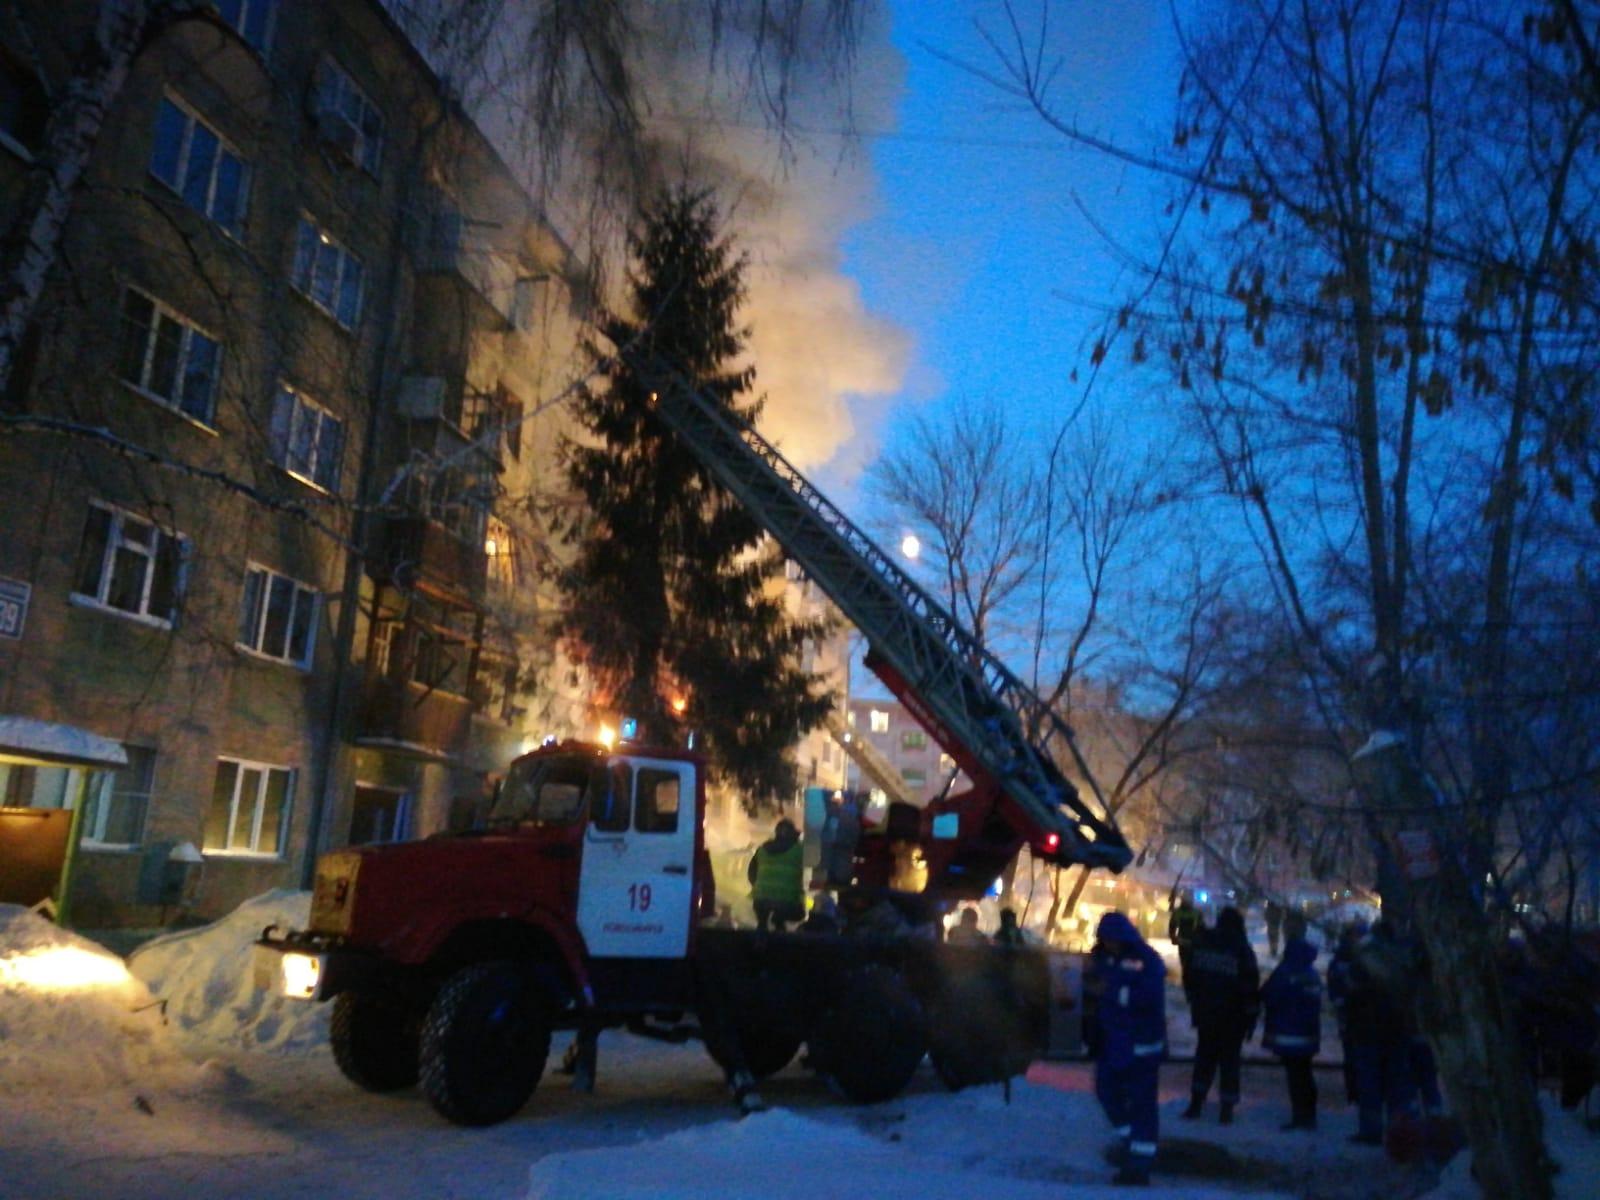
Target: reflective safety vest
<point x="779" y="875"/>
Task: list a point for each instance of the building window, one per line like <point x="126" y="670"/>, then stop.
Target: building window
<point x="307" y="440"/>
<point x="168" y="358"/>
<point x="249" y="808"/>
<point x="327" y="274"/>
<point x="279" y="616"/>
<point x="119" y="800"/>
<point x="191" y="159"/>
<point x="946" y="763"/>
<point x="500" y="551"/>
<point x="347" y="119"/>
<point x="879" y="720"/>
<point x="913" y="739"/>
<point x="492" y="687"/>
<point x="850" y="718"/>
<point x="130" y="564"/>
<point x="253" y="19"/>
<point x="915" y="777"/>
<point x="379" y="814"/>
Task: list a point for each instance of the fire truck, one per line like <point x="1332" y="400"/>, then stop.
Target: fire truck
<point x="584" y="902"/>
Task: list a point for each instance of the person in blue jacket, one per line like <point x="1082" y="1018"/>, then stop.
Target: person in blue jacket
<point x="1133" y="1041"/>
<point x="1291" y="1000"/>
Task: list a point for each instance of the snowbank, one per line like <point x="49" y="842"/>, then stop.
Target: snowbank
<point x="204" y="975"/>
<point x="72" y="1017"/>
<point x="774" y="1155"/>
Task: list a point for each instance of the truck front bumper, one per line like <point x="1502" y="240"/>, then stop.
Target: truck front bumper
<point x="307" y="966"/>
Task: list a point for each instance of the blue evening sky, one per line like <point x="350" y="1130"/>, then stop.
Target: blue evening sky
<point x="978" y="248"/>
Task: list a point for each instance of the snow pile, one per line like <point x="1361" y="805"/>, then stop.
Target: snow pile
<point x="779" y="1155"/>
<point x="205" y="976"/>
<point x="774" y="1155"/>
<point x="71" y="1016"/>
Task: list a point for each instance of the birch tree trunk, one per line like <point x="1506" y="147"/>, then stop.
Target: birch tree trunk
<point x="32" y="244"/>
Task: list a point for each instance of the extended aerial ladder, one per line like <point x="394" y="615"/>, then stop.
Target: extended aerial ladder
<point x="870" y="759"/>
<point x="991" y="723"/>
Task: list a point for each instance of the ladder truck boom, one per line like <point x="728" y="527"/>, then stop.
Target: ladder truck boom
<point x="990" y="722"/>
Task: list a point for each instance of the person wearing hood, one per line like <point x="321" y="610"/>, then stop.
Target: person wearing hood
<point x="777" y="881"/>
<point x="1292" y="1001"/>
<point x="1224" y="981"/>
<point x="1133" y="1041"/>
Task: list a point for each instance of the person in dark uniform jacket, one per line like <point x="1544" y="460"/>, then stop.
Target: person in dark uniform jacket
<point x="1133" y="1041"/>
<point x="1292" y="999"/>
<point x="1223" y="984"/>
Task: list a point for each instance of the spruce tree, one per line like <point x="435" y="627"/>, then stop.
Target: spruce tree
<point x="670" y="603"/>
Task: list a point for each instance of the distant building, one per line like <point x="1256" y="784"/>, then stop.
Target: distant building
<point x="923" y="766"/>
<point x="295" y="267"/>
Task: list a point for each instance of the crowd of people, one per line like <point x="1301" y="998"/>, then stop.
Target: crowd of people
<point x="1368" y="984"/>
<point x="1389" y="1072"/>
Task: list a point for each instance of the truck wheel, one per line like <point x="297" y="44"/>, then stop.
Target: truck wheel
<point x="769" y="1021"/>
<point x="765" y="1052"/>
<point x="484" y="1043"/>
<point x="868" y="1041"/>
<point x="975" y="1035"/>
<point x="375" y="1044"/>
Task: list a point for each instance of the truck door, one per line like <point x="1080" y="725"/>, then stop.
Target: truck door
<point x="636" y="884"/>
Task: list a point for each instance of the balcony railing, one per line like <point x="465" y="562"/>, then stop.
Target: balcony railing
<point x="404" y="715"/>
<point x="419" y="547"/>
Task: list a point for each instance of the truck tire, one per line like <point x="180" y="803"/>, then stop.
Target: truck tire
<point x="975" y="1034"/>
<point x="484" y="1043"/>
<point x="769" y="1021"/>
<point x="870" y="1038"/>
<point x="374" y="1043"/>
<point x="766" y="1052"/>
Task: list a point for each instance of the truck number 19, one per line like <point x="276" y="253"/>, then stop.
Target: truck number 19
<point x="639" y="897"/>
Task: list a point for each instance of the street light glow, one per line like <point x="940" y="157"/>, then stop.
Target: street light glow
<point x="910" y="545"/>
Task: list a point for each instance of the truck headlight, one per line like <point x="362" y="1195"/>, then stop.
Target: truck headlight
<point x="299" y="974"/>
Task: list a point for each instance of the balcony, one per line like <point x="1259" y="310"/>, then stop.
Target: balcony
<point x="448" y="417"/>
<point x="418" y="547"/>
<point x="449" y="243"/>
<point x="404" y="716"/>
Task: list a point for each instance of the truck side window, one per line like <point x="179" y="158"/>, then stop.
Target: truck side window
<point x="658" y="801"/>
<point x="613" y="799"/>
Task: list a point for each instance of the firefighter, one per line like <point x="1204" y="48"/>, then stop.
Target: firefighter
<point x="1223" y="984"/>
<point x="1133" y="1041"/>
<point x="1292" y="1000"/>
<point x="1184" y="924"/>
<point x="777" y="881"/>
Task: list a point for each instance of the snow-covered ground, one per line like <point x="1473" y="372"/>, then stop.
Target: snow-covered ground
<point x="235" y="1095"/>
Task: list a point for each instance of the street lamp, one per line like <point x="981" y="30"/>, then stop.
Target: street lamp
<point x="911" y="545"/>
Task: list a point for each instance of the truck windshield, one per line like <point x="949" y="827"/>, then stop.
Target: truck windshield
<point x="545" y="791"/>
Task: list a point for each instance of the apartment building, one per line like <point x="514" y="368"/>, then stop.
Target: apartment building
<point x="266" y="556"/>
<point x="889" y="727"/>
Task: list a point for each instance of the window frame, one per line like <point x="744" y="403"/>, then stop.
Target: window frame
<point x="115" y="541"/>
<point x="242" y="765"/>
<point x="179" y="185"/>
<point x="282" y="439"/>
<point x="301" y="592"/>
<point x="162" y="311"/>
<point x="878" y="720"/>
<point x="98" y="807"/>
<point x="318" y="241"/>
<point x="240" y="22"/>
<point x="332" y="77"/>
